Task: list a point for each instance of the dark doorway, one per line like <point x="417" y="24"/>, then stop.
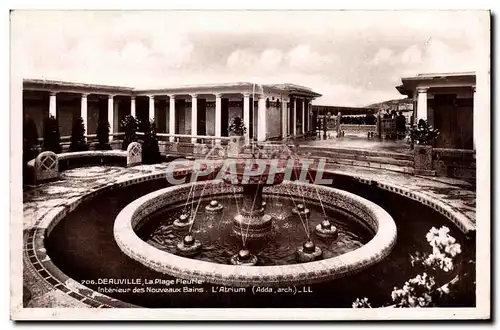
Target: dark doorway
<point x="250" y="121"/>
<point x="202" y="117"/>
<point x="314" y="121"/>
<point x="224" y="121"/>
<point x="454" y="119"/>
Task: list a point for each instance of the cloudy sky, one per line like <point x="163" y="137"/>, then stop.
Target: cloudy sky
<point x="352" y="58"/>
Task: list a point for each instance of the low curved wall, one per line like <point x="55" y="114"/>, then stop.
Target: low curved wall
<point x="318" y="271"/>
<point x="46" y="165"/>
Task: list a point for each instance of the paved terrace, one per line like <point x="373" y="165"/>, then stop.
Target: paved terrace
<point x="40" y="201"/>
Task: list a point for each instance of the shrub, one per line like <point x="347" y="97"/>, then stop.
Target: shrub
<point x="129" y="125"/>
<point x="78" y="141"/>
<point x="51" y="136"/>
<point x="150" y="149"/>
<point x="30" y="138"/>
<point x="103" y="135"/>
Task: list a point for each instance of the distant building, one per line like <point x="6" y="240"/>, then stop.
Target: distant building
<point x="345" y="111"/>
<point x="447" y="102"/>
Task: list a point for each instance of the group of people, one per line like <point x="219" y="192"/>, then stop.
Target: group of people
<point x="400" y="120"/>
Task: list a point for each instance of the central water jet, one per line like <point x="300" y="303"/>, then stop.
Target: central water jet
<point x="253" y="175"/>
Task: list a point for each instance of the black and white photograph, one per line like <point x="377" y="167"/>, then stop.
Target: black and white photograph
<point x="250" y="164"/>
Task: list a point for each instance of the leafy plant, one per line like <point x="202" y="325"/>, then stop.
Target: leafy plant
<point x="129" y="125"/>
<point x="51" y="136"/>
<point x="440" y="275"/>
<point x="150" y="149"/>
<point x="103" y="130"/>
<point x="78" y="141"/>
<point x="30" y="138"/>
<point x="423" y="133"/>
<point x="237" y="126"/>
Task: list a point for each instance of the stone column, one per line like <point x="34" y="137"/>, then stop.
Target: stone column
<point x="262" y="122"/>
<point x="171" y="122"/>
<point x="294" y="121"/>
<point x="474" y="124"/>
<point x="246" y="115"/>
<point x="151" y="108"/>
<point x="218" y="117"/>
<point x="84" y="112"/>
<point x="52" y="104"/>
<point x="111" y="116"/>
<point x="132" y="106"/>
<point x="194" y="117"/>
<point x="421" y="104"/>
<point x="283" y="120"/>
<point x="303" y="116"/>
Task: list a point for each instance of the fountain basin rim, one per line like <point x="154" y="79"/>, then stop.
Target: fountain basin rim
<point x="317" y="271"/>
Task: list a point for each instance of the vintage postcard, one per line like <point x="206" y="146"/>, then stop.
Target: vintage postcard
<point x="250" y="165"/>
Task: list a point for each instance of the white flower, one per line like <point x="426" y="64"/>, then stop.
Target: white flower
<point x="453" y="249"/>
<point x="445" y="289"/>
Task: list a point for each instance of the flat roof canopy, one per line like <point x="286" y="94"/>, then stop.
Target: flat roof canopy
<point x="237" y="87"/>
<point x="436" y="80"/>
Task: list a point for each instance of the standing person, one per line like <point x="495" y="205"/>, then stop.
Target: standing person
<point x="401" y="125"/>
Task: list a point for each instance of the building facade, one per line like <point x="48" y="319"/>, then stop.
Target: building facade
<point x="190" y="112"/>
<point x="447" y="102"/>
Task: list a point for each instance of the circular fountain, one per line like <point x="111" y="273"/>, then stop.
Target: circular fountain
<point x="334" y="263"/>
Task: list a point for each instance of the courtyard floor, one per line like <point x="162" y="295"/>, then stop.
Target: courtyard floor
<point x="40" y="201"/>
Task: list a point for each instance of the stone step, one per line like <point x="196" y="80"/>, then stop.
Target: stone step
<point x="371" y="153"/>
<point x="388" y="167"/>
<point x="364" y="158"/>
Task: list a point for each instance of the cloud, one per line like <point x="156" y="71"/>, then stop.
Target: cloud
<point x="411" y="56"/>
<point x="303" y="58"/>
<point x="270" y="59"/>
<point x="352" y="58"/>
<point x="382" y="56"/>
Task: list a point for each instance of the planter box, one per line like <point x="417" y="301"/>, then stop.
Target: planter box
<point x="423" y="160"/>
<point x="235" y="145"/>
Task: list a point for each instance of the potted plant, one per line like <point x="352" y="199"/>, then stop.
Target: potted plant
<point x="236" y="131"/>
<point x="129" y="125"/>
<point x="51" y="136"/>
<point x="422" y="137"/>
<point x="423" y="134"/>
<point x="78" y="141"/>
<point x="150" y="148"/>
<point x="237" y="127"/>
<point x="103" y="135"/>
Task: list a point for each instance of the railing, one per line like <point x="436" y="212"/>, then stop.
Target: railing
<point x="66" y="139"/>
<point x="352" y="128"/>
<point x="387" y="127"/>
<point x="200" y="138"/>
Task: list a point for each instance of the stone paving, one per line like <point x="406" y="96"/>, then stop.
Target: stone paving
<point x="39" y="201"/>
